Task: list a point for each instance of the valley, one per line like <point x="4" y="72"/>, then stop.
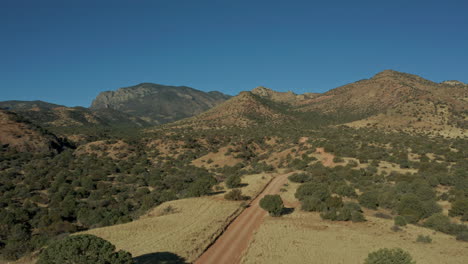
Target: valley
<point x="170" y="173"/>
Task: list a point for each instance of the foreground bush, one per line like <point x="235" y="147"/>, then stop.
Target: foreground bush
<point x="389" y="256"/>
<point x="273" y="204"/>
<point x="235" y="195"/>
<point x="83" y="249"/>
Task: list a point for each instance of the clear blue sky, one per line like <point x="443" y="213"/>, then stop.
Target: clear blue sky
<point x="66" y="51"/>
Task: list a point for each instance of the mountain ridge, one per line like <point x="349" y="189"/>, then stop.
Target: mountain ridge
<point x="158" y="104"/>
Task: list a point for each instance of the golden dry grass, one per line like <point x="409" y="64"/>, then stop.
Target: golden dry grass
<point x="187" y="232"/>
<point x="255" y="183"/>
<point x="218" y="159"/>
<point x="303" y="237"/>
<point x="195" y="223"/>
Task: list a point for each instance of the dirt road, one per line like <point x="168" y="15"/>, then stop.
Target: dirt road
<point x="234" y="241"/>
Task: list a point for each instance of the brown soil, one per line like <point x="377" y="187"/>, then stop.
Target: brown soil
<point x="327" y="158"/>
<point x="230" y="246"/>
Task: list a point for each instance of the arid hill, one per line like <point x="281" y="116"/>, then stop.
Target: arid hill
<point x="19" y="134"/>
<point x="390" y="100"/>
<point x="386" y="90"/>
<point x="245" y="109"/>
<point x="53" y="115"/>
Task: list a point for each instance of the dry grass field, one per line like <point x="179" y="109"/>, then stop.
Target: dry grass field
<point x="187" y="231"/>
<point x="303" y="237"/>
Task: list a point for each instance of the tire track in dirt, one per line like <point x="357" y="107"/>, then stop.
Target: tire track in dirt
<point x="229" y="247"/>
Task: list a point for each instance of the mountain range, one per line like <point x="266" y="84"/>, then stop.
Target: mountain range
<point x="390" y="100"/>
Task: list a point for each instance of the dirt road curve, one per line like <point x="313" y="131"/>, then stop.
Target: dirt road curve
<point x="234" y="241"/>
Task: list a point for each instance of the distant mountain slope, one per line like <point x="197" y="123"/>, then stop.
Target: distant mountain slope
<point x="385" y="90"/>
<point x="18" y="133"/>
<point x="245" y="109"/>
<point x="16" y="105"/>
<point x="390" y="100"/>
<point x="158" y="104"/>
<point x="283" y="97"/>
<point x="394" y="100"/>
<point x="53" y="115"/>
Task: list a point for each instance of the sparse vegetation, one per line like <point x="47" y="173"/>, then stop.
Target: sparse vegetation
<point x="389" y="256"/>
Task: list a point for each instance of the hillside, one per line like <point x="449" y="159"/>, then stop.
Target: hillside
<point x="19" y="134"/>
<point x="52" y="115"/>
<point x="243" y="110"/>
<point x="158" y="104"/>
<point x="283" y="97"/>
<point x="389" y="89"/>
<point x="390" y="101"/>
<point x="373" y="167"/>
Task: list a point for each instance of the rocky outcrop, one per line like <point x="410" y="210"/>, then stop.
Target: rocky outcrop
<point x="158" y="103"/>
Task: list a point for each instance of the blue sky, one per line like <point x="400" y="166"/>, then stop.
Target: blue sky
<point x="66" y="51"/>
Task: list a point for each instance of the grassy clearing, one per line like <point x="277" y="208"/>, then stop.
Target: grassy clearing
<point x="255" y="183"/>
<point x="186" y="232"/>
<point x="303" y="237"/>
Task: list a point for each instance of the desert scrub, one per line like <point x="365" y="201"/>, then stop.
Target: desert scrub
<point x="389" y="256"/>
<point x="424" y="239"/>
<point x="400" y="220"/>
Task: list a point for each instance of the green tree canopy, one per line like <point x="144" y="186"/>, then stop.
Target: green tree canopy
<point x="83" y="249"/>
<point x="273" y="204"/>
<point x="389" y="256"/>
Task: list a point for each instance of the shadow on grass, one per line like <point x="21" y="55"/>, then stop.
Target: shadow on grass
<point x="215" y="193"/>
<point x="287" y="211"/>
<point x="160" y="258"/>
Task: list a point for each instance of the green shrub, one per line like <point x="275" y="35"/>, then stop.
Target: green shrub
<point x="459" y="208"/>
<point x="272" y="204"/>
<point x="424" y="239"/>
<point x="438" y="222"/>
<point x="400" y="220"/>
<point x="411" y="207"/>
<point x="317" y="190"/>
<point x="312" y="204"/>
<point x="463" y="236"/>
<point x="235" y="195"/>
<point x="389" y="256"/>
<point x="369" y="200"/>
<point x="329" y="215"/>
<point x="300" y="177"/>
<point x="201" y="186"/>
<point x="233" y="181"/>
<point x="334" y="202"/>
<point x="357" y="216"/>
<point x="83" y="249"/>
<point x="345" y="190"/>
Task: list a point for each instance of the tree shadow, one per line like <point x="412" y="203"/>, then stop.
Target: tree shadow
<point x="287" y="211"/>
<point x="160" y="258"/>
<point x="215" y="193"/>
<point x="242" y="185"/>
